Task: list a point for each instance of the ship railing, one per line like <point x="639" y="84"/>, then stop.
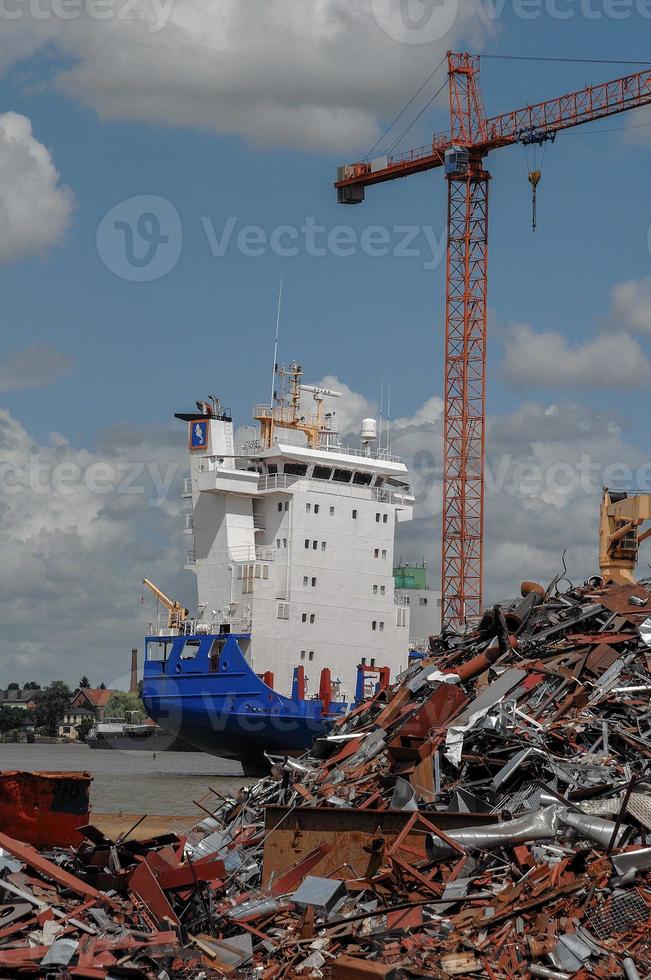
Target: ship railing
<point x="245" y="554"/>
<point x="382" y="454"/>
<point x="191" y="558"/>
<point x="400" y="600"/>
<point x="187" y="487"/>
<point x="283" y="481"/>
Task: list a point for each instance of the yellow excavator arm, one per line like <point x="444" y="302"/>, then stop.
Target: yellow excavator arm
<point x="176" y="613"/>
<point x="619" y="537"/>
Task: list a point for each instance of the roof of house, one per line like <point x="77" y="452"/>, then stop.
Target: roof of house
<point x="97" y="696"/>
<point x="16" y="695"/>
<point x="75" y="710"/>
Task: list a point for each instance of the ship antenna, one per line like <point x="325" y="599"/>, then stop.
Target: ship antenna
<point x="379" y="442"/>
<point x="389" y="422"/>
<point x="273" y="367"/>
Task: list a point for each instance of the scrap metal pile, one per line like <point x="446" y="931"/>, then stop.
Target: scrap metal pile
<point x="487" y="816"/>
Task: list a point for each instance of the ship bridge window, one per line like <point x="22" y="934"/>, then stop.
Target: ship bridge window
<point x="322" y="472"/>
<point x="272" y="468"/>
<point x="295" y="469"/>
<point x="362" y="479"/>
<point x="157" y="651"/>
<point x="342" y="476"/>
<point x="190" y="649"/>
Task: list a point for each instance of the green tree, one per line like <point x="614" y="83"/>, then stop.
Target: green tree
<point x="32" y="686"/>
<point x="122" y="704"/>
<point x="11" y="718"/>
<point x="13" y="686"/>
<point x="84" y="682"/>
<point x="51" y="705"/>
<point x="84" y="727"/>
<point x="102" y="686"/>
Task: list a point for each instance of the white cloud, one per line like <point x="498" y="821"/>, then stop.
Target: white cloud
<point x="548" y="359"/>
<point x="630" y="306"/>
<point x="79" y="530"/>
<point x="35" y="208"/>
<point x="318" y="75"/>
<point x="33" y="367"/>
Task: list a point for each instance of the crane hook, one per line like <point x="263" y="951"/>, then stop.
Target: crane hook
<point x="534" y="178"/>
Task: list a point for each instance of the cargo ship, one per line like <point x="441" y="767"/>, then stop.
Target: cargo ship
<point x="298" y="618"/>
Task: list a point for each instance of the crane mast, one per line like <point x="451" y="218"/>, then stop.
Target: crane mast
<point x="176" y="613"/>
<point x="461" y="153"/>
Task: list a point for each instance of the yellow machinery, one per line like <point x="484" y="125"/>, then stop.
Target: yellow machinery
<point x="176" y="614"/>
<point x="619" y="537"/>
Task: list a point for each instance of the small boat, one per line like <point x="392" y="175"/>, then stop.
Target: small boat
<point x="115" y="733"/>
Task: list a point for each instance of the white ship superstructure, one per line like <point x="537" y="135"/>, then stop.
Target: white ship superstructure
<point x="294" y="540"/>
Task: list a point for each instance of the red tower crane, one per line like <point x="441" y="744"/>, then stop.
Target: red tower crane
<point x="461" y="153"/>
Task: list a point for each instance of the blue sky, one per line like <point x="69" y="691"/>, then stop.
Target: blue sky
<point x="206" y="114"/>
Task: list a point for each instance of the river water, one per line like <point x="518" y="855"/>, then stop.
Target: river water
<point x="134" y="782"/>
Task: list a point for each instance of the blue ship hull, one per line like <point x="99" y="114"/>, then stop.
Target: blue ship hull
<point x="202" y="688"/>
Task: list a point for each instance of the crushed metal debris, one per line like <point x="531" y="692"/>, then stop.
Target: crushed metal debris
<point x="487" y="816"/>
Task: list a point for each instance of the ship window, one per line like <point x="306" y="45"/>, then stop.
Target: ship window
<point x="257" y="571"/>
<point x="374" y="624"/>
<point x="265" y="571"/>
<point x="375" y="590"/>
<point x="422" y="602"/>
<point x="278" y="542"/>
<point x="385" y="519"/>
<point x="305" y="580"/>
<point x="308" y="508"/>
<point x="383" y="590"/>
<point x="332" y="512"/>
<point x="401" y="617"/>
<point x="381" y="625"/>
<point x="283" y="610"/>
<point x="376" y="552"/>
<point x="377" y="518"/>
<point x="384" y="552"/>
<point x="354" y="515"/>
<point x="322" y="472"/>
<point x="316" y="508"/>
<point x="157" y="651"/>
<point x="314" y="583"/>
<point x="315" y="545"/>
<point x="190" y="649"/>
<point x="342" y="476"/>
<point x="362" y="479"/>
<point x="311" y="655"/>
<point x="302" y="654"/>
<point x="287" y="505"/>
<point x="280" y="505"/>
<point x="323" y="546"/>
<point x="273" y="469"/>
<point x="304" y="617"/>
<point x="284" y="542"/>
<point x="379" y="481"/>
<point x="307" y="542"/>
<point x="312" y="617"/>
<point x="295" y="469"/>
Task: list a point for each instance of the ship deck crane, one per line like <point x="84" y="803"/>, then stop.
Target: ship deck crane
<point x="461" y="153"/>
<point x="619" y="538"/>
<point x="176" y="613"/>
